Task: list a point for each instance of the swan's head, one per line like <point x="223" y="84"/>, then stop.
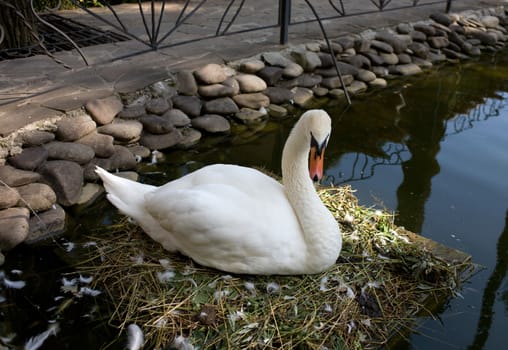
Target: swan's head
<point x="318" y="126"/>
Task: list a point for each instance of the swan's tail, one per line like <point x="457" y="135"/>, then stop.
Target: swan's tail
<point x="127" y="195"/>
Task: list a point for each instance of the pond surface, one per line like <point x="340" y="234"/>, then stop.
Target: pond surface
<point x="432" y="148"/>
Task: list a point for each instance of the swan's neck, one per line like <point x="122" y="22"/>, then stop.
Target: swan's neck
<point x="320" y="229"/>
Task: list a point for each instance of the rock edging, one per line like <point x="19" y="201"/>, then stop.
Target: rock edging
<point x="44" y="170"/>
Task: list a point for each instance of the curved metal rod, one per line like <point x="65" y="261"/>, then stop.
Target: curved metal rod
<point x="342" y="10"/>
<point x="181" y="20"/>
<point x="232" y="19"/>
<point x="105" y="3"/>
<point x="2" y="33"/>
<point x="163" y="6"/>
<point x="150" y="39"/>
<point x="58" y="31"/>
<point x="56" y="8"/>
<point x="334" y="59"/>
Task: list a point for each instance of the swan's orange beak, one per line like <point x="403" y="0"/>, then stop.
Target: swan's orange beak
<point x="316" y="163"/>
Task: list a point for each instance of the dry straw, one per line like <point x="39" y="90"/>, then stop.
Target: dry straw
<point x="383" y="279"/>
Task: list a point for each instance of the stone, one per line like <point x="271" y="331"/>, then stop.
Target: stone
<point x="122" y="130"/>
<point x="359" y="61"/>
<point x="190" y="105"/>
<point x="270" y="74"/>
<point x="276" y="111"/>
<point x="302" y="96"/>
<point x="275" y="59"/>
<point x="380" y="71"/>
<point x="105" y="109"/>
<point x="252" y="66"/>
<point x="405" y="69"/>
<point x="438" y="42"/>
<point x="436" y="57"/>
<point x="46" y="224"/>
<point x="65" y="178"/>
<point x="403" y="28"/>
<point x="320" y="91"/>
<point x="36" y="138"/>
<point x="356" y="87"/>
<point x="365" y="75"/>
<point x="454" y="54"/>
<point x="397" y="43"/>
<point x="133" y="112"/>
<point x="418" y="36"/>
<point x="381" y="46"/>
<point x="335" y="48"/>
<point x="186" y="83"/>
<point x="441" y="30"/>
<point x="378" y="83"/>
<point x="162" y="89"/>
<point x="216" y="90"/>
<point x="190" y="137"/>
<point x="490" y="21"/>
<point x="346" y="42"/>
<point x="157" y="105"/>
<point x="156" y="124"/>
<point x="441" y="18"/>
<point x="250" y="116"/>
<point x="232" y="83"/>
<point x="486" y="38"/>
<point x="8" y="197"/>
<point x="404" y="58"/>
<point x="75" y="152"/>
<point x="223" y="106"/>
<point x="292" y="70"/>
<point x="122" y="159"/>
<point x="13" y="177"/>
<point x="73" y="128"/>
<point x="140" y="152"/>
<point x="278" y="95"/>
<point x="425" y="28"/>
<point x="307" y="80"/>
<point x="374" y="58"/>
<point x="89" y="194"/>
<point x="13" y="227"/>
<point x="160" y="141"/>
<point x="308" y="60"/>
<point x="326" y="60"/>
<point x="334" y="82"/>
<point x="101" y="144"/>
<point x="177" y="118"/>
<point x="421" y="62"/>
<point x="419" y="50"/>
<point x="211" y="74"/>
<point x="254" y="100"/>
<point x="211" y="123"/>
<point x="389" y="58"/>
<point x="345" y="68"/>
<point x="250" y="83"/>
<point x="30" y="158"/>
<point x="337" y="93"/>
<point x="36" y="197"/>
<point x="362" y="45"/>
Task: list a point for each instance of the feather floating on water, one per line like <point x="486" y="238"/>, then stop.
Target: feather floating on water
<point x="135" y="337"/>
<point x="14" y="284"/>
<point x="182" y="343"/>
<point x="36" y="342"/>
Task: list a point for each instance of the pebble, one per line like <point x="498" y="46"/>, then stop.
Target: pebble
<point x="190" y="137"/>
<point x="190" y="105"/>
<point x="156" y="124"/>
<point x="101" y="144"/>
<point x="36" y="197"/>
<point x="250" y="83"/>
<point x="211" y="74"/>
<point x="37" y="138"/>
<point x="30" y="158"/>
<point x="223" y="106"/>
<point x="14" y="177"/>
<point x="14" y="227"/>
<point x="177" y="118"/>
<point x="46" y="224"/>
<point x="8" y="197"/>
<point x="73" y="151"/>
<point x="160" y="141"/>
<point x="278" y="95"/>
<point x="250" y="116"/>
<point x="254" y="100"/>
<point x="158" y="105"/>
<point x="122" y="130"/>
<point x="211" y="123"/>
<point x="186" y="83"/>
<point x="65" y="178"/>
<point x="105" y="109"/>
<point x="73" y="128"/>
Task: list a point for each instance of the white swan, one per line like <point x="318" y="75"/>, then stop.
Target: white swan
<point x="238" y="219"/>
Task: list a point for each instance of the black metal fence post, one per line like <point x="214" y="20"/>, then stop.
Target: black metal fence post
<point x="448" y="6"/>
<point x="284" y="19"/>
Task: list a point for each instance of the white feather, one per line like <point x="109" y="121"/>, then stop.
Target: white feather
<point x="14" y="284"/>
<point x="135" y="337"/>
<point x="36" y="342"/>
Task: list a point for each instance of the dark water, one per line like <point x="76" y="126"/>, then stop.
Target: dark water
<point x="432" y="148"/>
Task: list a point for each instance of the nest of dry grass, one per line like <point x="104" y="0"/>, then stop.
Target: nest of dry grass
<point x="385" y="276"/>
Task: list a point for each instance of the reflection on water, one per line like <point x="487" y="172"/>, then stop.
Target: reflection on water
<point x="431" y="149"/>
